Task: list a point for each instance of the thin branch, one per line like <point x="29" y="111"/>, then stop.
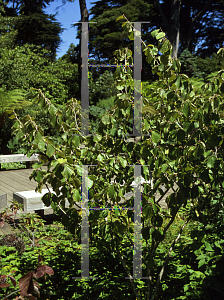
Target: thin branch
<point x="166" y="260"/>
<point x="58" y="204"/>
<point x="129" y="275"/>
<point x="12" y="293"/>
<point x="134" y="29"/>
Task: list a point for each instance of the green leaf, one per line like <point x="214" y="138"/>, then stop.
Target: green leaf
<point x="119" y="18"/>
<point x="178" y="82"/>
<point x="62" y="160"/>
<point x="117" y="212"/>
<point x="158" y="221"/>
<point x="201" y="262"/>
<point x="180" y="135"/>
<point x="186" y="110"/>
<point x="52" y="110"/>
<point x="222" y="88"/>
<point x="164" y="168"/>
<point x="186" y="125"/>
<point x="146" y="124"/>
<point x="149" y="57"/>
<point x="97" y="138"/>
<point x="155" y="137"/>
<point x="160" y="35"/>
<point x="47" y="199"/>
<point x="149" y="109"/>
<point x="100" y="157"/>
<point x="53" y="121"/>
<point x="37" y="165"/>
<point x="164" y="59"/>
<point x="154" y="51"/>
<point x="147" y="211"/>
<point x="111" y="192"/>
<point x="76" y="140"/>
<point x="211" y="161"/>
<point x="208" y="247"/>
<point x="39" y="176"/>
<point x="131" y="36"/>
<point x="76" y="195"/>
<point x="41" y="146"/>
<point x="38" y="137"/>
<point x="155" y="32"/>
<point x="106" y="119"/>
<point x="68" y="171"/>
<point x="19" y="134"/>
<point x="113" y="131"/>
<point x="165" y="47"/>
<point x="122" y="161"/>
<point x="50" y="150"/>
<point x="157" y="235"/>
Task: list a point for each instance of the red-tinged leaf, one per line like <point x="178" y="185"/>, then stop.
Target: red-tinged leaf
<point x="26" y="284"/>
<point x="39" y="259"/>
<point x="41" y="270"/>
<point x="12" y="279"/>
<point x="36" y="290"/>
<point x="3" y="280"/>
<point x="36" y="284"/>
<point x="2" y="223"/>
<point x="49" y="271"/>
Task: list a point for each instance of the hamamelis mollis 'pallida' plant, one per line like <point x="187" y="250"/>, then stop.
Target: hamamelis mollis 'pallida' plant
<point x="185" y="147"/>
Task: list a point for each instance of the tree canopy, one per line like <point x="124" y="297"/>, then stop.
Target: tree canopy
<point x="187" y="24"/>
<point x="33" y="25"/>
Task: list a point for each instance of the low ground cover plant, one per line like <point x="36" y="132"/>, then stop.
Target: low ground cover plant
<point x="60" y="251"/>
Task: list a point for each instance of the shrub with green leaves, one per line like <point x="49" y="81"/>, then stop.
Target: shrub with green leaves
<point x="27" y="67"/>
<point x="184" y="146"/>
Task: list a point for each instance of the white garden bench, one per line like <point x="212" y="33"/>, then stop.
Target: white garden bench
<point x="31" y="201"/>
<point x="9" y="158"/>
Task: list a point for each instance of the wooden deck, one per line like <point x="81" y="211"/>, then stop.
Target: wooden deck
<point x="12" y="181"/>
<point x="18" y="180"/>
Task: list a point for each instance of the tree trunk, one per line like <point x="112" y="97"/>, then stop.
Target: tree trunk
<point x="172" y="25"/>
<point x="84" y="11"/>
<point x="84" y="18"/>
<point x="174" y="30"/>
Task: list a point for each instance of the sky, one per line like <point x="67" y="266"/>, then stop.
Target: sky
<point x="68" y="13"/>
